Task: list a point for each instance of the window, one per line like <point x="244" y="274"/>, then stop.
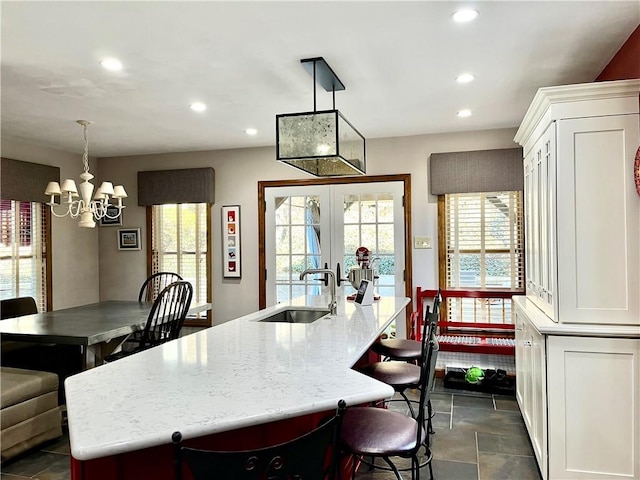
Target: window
<point x="483" y="250"/>
<point x="484" y="240"/>
<point x="24" y="265"/>
<point x="180" y="242"/>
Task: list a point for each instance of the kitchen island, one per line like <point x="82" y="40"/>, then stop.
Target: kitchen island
<point x="241" y="384"/>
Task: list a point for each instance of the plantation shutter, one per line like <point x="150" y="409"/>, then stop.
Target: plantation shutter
<point x="484" y="240"/>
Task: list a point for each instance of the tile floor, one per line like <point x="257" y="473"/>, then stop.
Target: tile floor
<point x="478" y="436"/>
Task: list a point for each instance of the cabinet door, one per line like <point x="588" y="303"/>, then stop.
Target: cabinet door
<point x="594" y="407"/>
<point x="531" y="383"/>
<point x="540" y="195"/>
<point x="538" y="396"/>
<point x="523" y="368"/>
<point x="598" y="221"/>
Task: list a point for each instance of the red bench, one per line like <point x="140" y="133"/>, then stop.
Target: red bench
<point x="492" y="337"/>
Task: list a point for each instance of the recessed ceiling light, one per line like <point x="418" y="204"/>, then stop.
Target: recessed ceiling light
<point x="251" y="131"/>
<point x="198" y="107"/>
<point x="112" y="64"/>
<point x="465" y="15"/>
<point x="464" y="113"/>
<point x="465" y="78"/>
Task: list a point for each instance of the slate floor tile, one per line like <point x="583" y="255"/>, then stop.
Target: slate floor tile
<point x="447" y="470"/>
<point x="495" y="466"/>
<point x="455" y="445"/>
<point x="488" y="421"/>
<point x="508" y="444"/>
<point x="473" y="401"/>
<point x="34" y="463"/>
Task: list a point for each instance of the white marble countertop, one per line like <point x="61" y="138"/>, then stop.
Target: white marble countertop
<point x="241" y="373"/>
<point x="546" y="326"/>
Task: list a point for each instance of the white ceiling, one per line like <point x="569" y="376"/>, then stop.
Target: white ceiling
<point x="397" y="59"/>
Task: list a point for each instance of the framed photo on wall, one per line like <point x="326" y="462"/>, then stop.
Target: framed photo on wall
<point x="231" y="241"/>
<point x="111" y="211"/>
<point x="129" y="239"/>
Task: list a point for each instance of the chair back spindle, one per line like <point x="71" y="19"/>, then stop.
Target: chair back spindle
<point x="157" y="282"/>
<point x="167" y="314"/>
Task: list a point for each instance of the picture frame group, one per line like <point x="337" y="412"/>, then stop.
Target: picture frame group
<point x="231" y="241"/>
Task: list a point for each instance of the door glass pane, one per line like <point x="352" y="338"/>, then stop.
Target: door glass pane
<point x="373" y="229"/>
<point x="297" y="245"/>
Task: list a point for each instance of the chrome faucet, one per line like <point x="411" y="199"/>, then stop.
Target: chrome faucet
<point x="333" y="305"/>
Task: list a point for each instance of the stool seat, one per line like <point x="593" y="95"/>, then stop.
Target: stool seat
<point x="400" y="375"/>
<point x="398" y="349"/>
<point x="378" y="431"/>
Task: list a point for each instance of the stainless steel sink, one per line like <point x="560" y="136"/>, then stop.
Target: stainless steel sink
<point x="296" y="316"/>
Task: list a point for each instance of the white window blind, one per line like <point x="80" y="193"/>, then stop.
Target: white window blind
<point x="179" y="243"/>
<point x="484" y="240"/>
<point x="23" y="251"/>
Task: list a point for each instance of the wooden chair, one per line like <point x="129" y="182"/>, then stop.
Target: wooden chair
<point x="165" y="319"/>
<point x="313" y="456"/>
<point x="153" y="285"/>
<point x="16" y="307"/>
<point x="382" y="433"/>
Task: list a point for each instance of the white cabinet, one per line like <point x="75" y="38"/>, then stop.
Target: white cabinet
<point x="578" y="328"/>
<point x="594" y="402"/>
<point x="582" y="219"/>
<point x="531" y="391"/>
<point x="579" y="396"/>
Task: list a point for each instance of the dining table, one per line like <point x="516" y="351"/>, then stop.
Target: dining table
<point x="98" y="328"/>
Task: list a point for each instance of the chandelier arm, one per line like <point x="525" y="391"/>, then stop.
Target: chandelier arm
<point x="55" y="214"/>
<point x="79" y="207"/>
<point x="106" y="212"/>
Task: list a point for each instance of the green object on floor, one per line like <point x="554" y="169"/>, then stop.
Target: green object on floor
<point x="474" y="375"/>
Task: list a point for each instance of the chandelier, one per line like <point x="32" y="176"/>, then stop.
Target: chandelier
<point x="87" y="209"/>
<point x="322" y="143"/>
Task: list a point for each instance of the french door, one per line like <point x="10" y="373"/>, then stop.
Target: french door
<point x="322" y="226"/>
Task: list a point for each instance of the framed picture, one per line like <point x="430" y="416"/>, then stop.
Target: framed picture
<point x="111" y="211"/>
<point x="231" y="241"/>
<point x="129" y="239"/>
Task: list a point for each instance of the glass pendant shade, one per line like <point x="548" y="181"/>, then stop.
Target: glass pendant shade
<point x="322" y="143"/>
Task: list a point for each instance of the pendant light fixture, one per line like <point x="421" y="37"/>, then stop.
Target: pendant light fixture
<point x="84" y="207"/>
<point x="322" y="143"/>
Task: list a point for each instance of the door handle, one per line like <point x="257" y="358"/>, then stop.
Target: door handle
<point x="338" y="275"/>
<point x="326" y="276"/>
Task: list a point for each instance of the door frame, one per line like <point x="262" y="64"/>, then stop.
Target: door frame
<point x="405" y="178"/>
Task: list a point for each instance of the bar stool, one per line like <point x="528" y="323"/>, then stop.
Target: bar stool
<point x="401" y="349"/>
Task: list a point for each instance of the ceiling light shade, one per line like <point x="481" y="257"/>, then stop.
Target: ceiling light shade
<point x="322" y="143"/>
<point x="81" y="205"/>
<point x="465" y="15"/>
<point x="112" y="64"/>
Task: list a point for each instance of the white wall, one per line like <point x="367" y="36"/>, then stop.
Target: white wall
<point x="75" y="250"/>
<point x="237" y="173"/>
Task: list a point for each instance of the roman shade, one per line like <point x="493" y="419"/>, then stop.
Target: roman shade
<point x="26" y="181"/>
<point x="476" y="171"/>
<point x="189" y="185"/>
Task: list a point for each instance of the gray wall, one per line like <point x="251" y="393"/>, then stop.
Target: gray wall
<point x="88" y="265"/>
<point x="75" y="250"/>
